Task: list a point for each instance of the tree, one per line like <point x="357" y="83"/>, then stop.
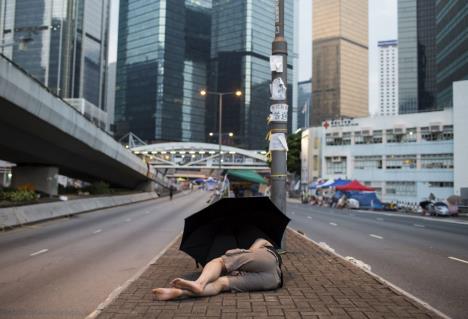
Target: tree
<point x="294" y="153"/>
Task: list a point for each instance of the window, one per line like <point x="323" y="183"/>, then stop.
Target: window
<point x="401" y="188"/>
<point x="336" y="165"/>
<point x="410" y="136"/>
<point x="368" y="162"/>
<point x="401" y="162"/>
<point x="434" y="133"/>
<point x="441" y="184"/>
<point x="437" y="161"/>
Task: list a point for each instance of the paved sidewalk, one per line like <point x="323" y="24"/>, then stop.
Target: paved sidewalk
<point x="318" y="284"/>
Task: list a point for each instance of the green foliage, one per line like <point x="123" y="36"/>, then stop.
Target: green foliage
<point x="294" y="153"/>
<point x="17" y="196"/>
<point x="98" y="188"/>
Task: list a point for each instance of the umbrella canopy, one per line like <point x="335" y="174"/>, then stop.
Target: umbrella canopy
<point x="232" y="223"/>
<point x="246" y="175"/>
<point x="199" y="180"/>
<point x="354" y="186"/>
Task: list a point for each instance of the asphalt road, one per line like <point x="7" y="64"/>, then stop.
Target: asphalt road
<point x="65" y="268"/>
<point x="425" y="256"/>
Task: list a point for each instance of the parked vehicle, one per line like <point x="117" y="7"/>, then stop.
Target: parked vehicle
<point x="438" y="209"/>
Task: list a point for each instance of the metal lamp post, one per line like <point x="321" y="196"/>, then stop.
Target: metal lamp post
<point x="278" y="119"/>
<point x="220" y="104"/>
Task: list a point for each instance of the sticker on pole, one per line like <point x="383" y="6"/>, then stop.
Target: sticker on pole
<point x="278" y="142"/>
<point x="276" y="63"/>
<point x="279" y="113"/>
<point x="278" y="89"/>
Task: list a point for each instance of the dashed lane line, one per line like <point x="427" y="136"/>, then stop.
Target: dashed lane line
<point x="97" y="231"/>
<point x="376" y="236"/>
<point x="419" y="225"/>
<point x="309" y="217"/>
<point x="380" y="219"/>
<point x="39" y="252"/>
<point x="333" y="224"/>
<point x="128" y="220"/>
<point x="460" y="260"/>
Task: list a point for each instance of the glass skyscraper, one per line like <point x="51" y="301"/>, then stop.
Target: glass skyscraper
<point x="169" y="50"/>
<point x="162" y="61"/>
<point x="67" y="50"/>
<point x="417" y="56"/>
<point x="452" y="48"/>
<point x="242" y="32"/>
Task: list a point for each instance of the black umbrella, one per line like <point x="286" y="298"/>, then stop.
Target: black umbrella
<point x="232" y="223"/>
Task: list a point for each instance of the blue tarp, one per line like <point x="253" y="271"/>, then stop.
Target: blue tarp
<point x="366" y="199"/>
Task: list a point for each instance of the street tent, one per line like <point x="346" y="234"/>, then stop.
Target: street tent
<point x="366" y="199"/>
<point x="340" y="182"/>
<point x="246" y="175"/>
<point x="326" y="184"/>
<point x="354" y="186"/>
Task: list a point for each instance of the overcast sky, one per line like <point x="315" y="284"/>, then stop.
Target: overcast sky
<point x="382" y="26"/>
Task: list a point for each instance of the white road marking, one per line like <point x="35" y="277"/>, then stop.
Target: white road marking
<point x="460" y="260"/>
<point x="380" y="219"/>
<point x="39" y="252"/>
<point x="309" y="217"/>
<point x="97" y="231"/>
<point x="128" y="220"/>
<point x="419" y="225"/>
<point x="333" y="224"/>
<point x="376" y="236"/>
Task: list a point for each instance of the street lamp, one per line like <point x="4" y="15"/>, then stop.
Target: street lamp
<point x="220" y="104"/>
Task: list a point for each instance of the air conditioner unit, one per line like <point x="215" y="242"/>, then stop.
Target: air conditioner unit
<point x="366" y="132"/>
<point x="336" y="134"/>
<point x="337" y="159"/>
<point x="435" y="128"/>
<point x="399" y="131"/>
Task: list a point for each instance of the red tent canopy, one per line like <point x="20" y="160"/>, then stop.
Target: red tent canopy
<point x="354" y="186"/>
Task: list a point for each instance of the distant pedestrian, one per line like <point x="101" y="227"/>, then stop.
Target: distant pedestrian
<point x="238" y="270"/>
<point x="171" y="191"/>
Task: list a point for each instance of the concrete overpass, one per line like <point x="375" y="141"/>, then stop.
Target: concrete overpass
<point x="41" y="133"/>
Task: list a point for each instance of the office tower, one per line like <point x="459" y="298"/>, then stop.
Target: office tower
<point x="163" y="52"/>
<point x="242" y="33"/>
<point x="416" y="55"/>
<point x="110" y="101"/>
<point x="452" y="48"/>
<point x="388" y="77"/>
<point x="304" y="103"/>
<point x="340" y="59"/>
<point x="61" y="43"/>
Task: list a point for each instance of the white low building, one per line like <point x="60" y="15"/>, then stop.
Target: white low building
<point x="404" y="157"/>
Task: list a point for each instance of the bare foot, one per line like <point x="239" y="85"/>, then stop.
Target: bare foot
<point x="187" y="285"/>
<point x="163" y="294"/>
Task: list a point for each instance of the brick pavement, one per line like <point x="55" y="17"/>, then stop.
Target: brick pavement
<point x="317" y="284"/>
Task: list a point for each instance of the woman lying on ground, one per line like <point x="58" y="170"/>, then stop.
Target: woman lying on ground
<point x="239" y="270"/>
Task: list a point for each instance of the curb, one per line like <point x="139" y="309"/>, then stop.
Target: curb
<point x="377" y="277"/>
<point x="116" y="292"/>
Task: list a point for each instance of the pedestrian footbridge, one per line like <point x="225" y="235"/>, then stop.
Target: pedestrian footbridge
<point x="189" y="155"/>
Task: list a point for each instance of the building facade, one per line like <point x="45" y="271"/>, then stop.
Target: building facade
<point x="162" y="62"/>
<point x="61" y="43"/>
<point x="417" y="56"/>
<point x="242" y="33"/>
<point x="340" y="59"/>
<point x="388" y="77"/>
<point x="404" y="157"/>
<point x="452" y="48"/>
